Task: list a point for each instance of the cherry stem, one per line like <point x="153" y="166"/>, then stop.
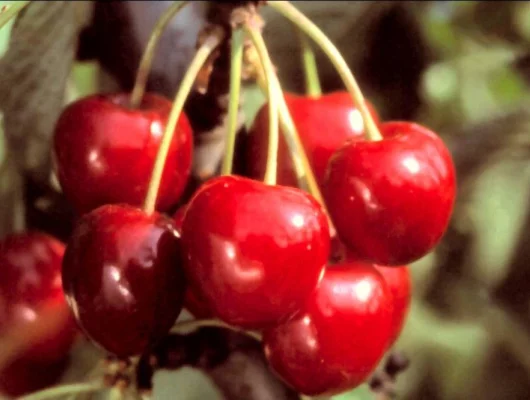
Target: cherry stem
<point x="186" y="85"/>
<point x="302" y="166"/>
<point x="236" y="62"/>
<point x="149" y="53"/>
<point x="9" y="11"/>
<point x="199" y="323"/>
<point x="63" y="390"/>
<point x="314" y="32"/>
<point x="298" y="155"/>
<point x="270" y="78"/>
<point x="312" y="81"/>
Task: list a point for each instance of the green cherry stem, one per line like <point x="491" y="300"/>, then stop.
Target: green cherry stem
<point x="298" y="155"/>
<point x="11" y="10"/>
<point x="149" y="53"/>
<point x="312" y="81"/>
<point x="314" y="32"/>
<point x="59" y="391"/>
<point x="270" y="76"/>
<point x="186" y="85"/>
<point x="302" y="166"/>
<point x="236" y="62"/>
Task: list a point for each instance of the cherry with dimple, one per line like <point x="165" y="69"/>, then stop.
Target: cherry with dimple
<point x="123" y="278"/>
<point x="254" y="251"/>
<point x="104" y="151"/>
<point x="391" y="200"/>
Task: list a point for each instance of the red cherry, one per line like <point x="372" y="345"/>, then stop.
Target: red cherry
<point x="400" y="286"/>
<point x="339" y="338"/>
<point x="22" y="377"/>
<point x="30" y="292"/>
<point x="323" y="123"/>
<point x="254" y="252"/>
<point x="122" y="277"/>
<point x="193" y="301"/>
<point x="391" y="200"/>
<point x="104" y="151"/>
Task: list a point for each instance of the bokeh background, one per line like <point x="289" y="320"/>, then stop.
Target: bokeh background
<point x="461" y="68"/>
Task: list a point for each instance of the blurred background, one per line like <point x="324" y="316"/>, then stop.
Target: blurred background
<point x="461" y="68"/>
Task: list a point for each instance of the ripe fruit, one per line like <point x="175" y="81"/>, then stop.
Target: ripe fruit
<point x="104" y="151"/>
<point x="254" y="252"/>
<point x="400" y="286"/>
<point x="37" y="328"/>
<point x="323" y="123"/>
<point x="31" y="291"/>
<point x="123" y="279"/>
<point x="391" y="200"/>
<point x="339" y="338"/>
<point x="397" y="279"/>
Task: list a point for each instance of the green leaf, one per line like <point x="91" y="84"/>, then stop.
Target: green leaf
<point x="363" y="392"/>
<point x="33" y="76"/>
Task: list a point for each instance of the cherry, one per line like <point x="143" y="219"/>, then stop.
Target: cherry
<point x="338" y="339"/>
<point x="400" y="286"/>
<point x="123" y="279"/>
<point x="391" y="200"/>
<point x="255" y="252"/>
<point x="31" y="292"/>
<point x="397" y="279"/>
<point x="323" y="123"/>
<point x="36" y="325"/>
<point x="104" y="151"/>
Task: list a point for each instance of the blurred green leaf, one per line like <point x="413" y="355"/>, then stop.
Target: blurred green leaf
<point x="363" y="392"/>
<point x="5" y="32"/>
<point x="252" y="100"/>
<point x="85" y="77"/>
<point x="508" y="86"/>
<point x="522" y="19"/>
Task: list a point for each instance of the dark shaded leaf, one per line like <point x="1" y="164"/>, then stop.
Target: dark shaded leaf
<point x="33" y="76"/>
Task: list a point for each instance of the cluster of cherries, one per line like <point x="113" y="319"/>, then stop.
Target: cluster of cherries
<point x="327" y="286"/>
<point x="258" y="257"/>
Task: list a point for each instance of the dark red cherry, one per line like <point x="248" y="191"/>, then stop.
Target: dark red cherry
<point x="323" y="123"/>
<point x="399" y="283"/>
<point x="22" y="376"/>
<point x="31" y="291"/>
<point x="254" y="252"/>
<point x="104" y="151"/>
<point x="123" y="278"/>
<point x="336" y="342"/>
<point x="391" y="200"/>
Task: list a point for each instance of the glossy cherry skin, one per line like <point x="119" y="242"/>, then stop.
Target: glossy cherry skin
<point x="336" y="342"/>
<point x="104" y="152"/>
<point x="31" y="291"/>
<point x="391" y="200"/>
<point x="254" y="252"/>
<point x="123" y="278"/>
<point x="400" y="285"/>
<point x="323" y="123"/>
